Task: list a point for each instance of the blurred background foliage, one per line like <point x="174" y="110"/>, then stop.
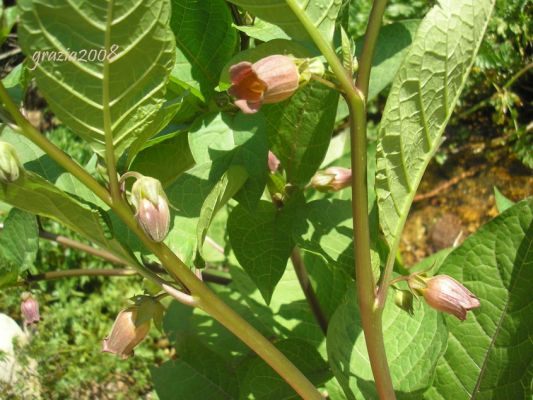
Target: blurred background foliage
<point x="495" y="109"/>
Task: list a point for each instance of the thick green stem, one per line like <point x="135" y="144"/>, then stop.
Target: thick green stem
<point x="203" y="296"/>
<point x="355" y="97"/>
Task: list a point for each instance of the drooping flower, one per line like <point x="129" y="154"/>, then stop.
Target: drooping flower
<point x="270" y="80"/>
<point x="10" y="166"/>
<point x="29" y="308"/>
<point x="445" y="294"/>
<point x="132" y="325"/>
<point x="332" y="179"/>
<point x="126" y="333"/>
<point x="151" y="206"/>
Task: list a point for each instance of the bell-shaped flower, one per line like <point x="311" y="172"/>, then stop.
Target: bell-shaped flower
<point x="10" y="166"/>
<point x="445" y="294"/>
<point x="127" y="332"/>
<point x="270" y="80"/>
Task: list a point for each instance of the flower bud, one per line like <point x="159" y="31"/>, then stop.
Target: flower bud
<point x="404" y="300"/>
<point x="10" y="166"/>
<point x="151" y="206"/>
<point x="127" y="332"/>
<point x="332" y="179"/>
<point x="445" y="294"/>
<point x="270" y="80"/>
<point x="273" y="162"/>
<point x="29" y="307"/>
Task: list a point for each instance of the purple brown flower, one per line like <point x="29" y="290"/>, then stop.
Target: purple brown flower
<point x="270" y="80"/>
<point x="151" y="206"/>
<point x="445" y="294"/>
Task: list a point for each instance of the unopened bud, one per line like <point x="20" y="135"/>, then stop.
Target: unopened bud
<point x="151" y="206"/>
<point x="332" y="179"/>
<point x="404" y="300"/>
<point x="445" y="294"/>
<point x="273" y="162"/>
<point x="10" y="166"/>
<point x="29" y="308"/>
<point x="270" y="80"/>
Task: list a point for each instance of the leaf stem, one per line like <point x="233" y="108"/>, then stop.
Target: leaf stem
<point x="114" y="186"/>
<point x="356" y="99"/>
<point x="205" y="298"/>
<point x="70" y="273"/>
<point x="307" y="288"/>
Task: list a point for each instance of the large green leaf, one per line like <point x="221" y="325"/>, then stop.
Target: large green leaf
<point x="321" y="13"/>
<point x="123" y="89"/>
<point x="263" y="240"/>
<point x="198" y="373"/>
<point x="300" y="128"/>
<point x="420" y="103"/>
<point x="19" y="239"/>
<point x="206" y="40"/>
<point x="164" y="157"/>
<point x="489" y="356"/>
<point x="413" y="346"/>
<point x="259" y="381"/>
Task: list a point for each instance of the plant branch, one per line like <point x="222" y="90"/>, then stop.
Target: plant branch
<point x="355" y="97"/>
<point x="70" y="273"/>
<point x="68" y="242"/>
<point x="206" y="299"/>
<point x="303" y="278"/>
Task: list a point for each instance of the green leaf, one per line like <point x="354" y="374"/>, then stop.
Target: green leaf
<point x="124" y="88"/>
<point x="262" y="30"/>
<point x="262" y="241"/>
<point x="198" y="373"/>
<point x="394" y="41"/>
<point x="224" y="140"/>
<point x="19" y="239"/>
<point x="299" y="130"/>
<point x="502" y="202"/>
<point x="489" y="356"/>
<point x="413" y="346"/>
<point x="259" y="381"/>
<point x="225" y="189"/>
<point x="321" y="13"/>
<point x="329" y="233"/>
<point x="206" y="40"/>
<point x="164" y="157"/>
<point x="38" y="196"/>
<point x="420" y="103"/>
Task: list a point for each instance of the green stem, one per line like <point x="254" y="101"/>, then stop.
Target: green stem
<point x="355" y="97"/>
<point x="204" y="297"/>
<point x="114" y="186"/>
